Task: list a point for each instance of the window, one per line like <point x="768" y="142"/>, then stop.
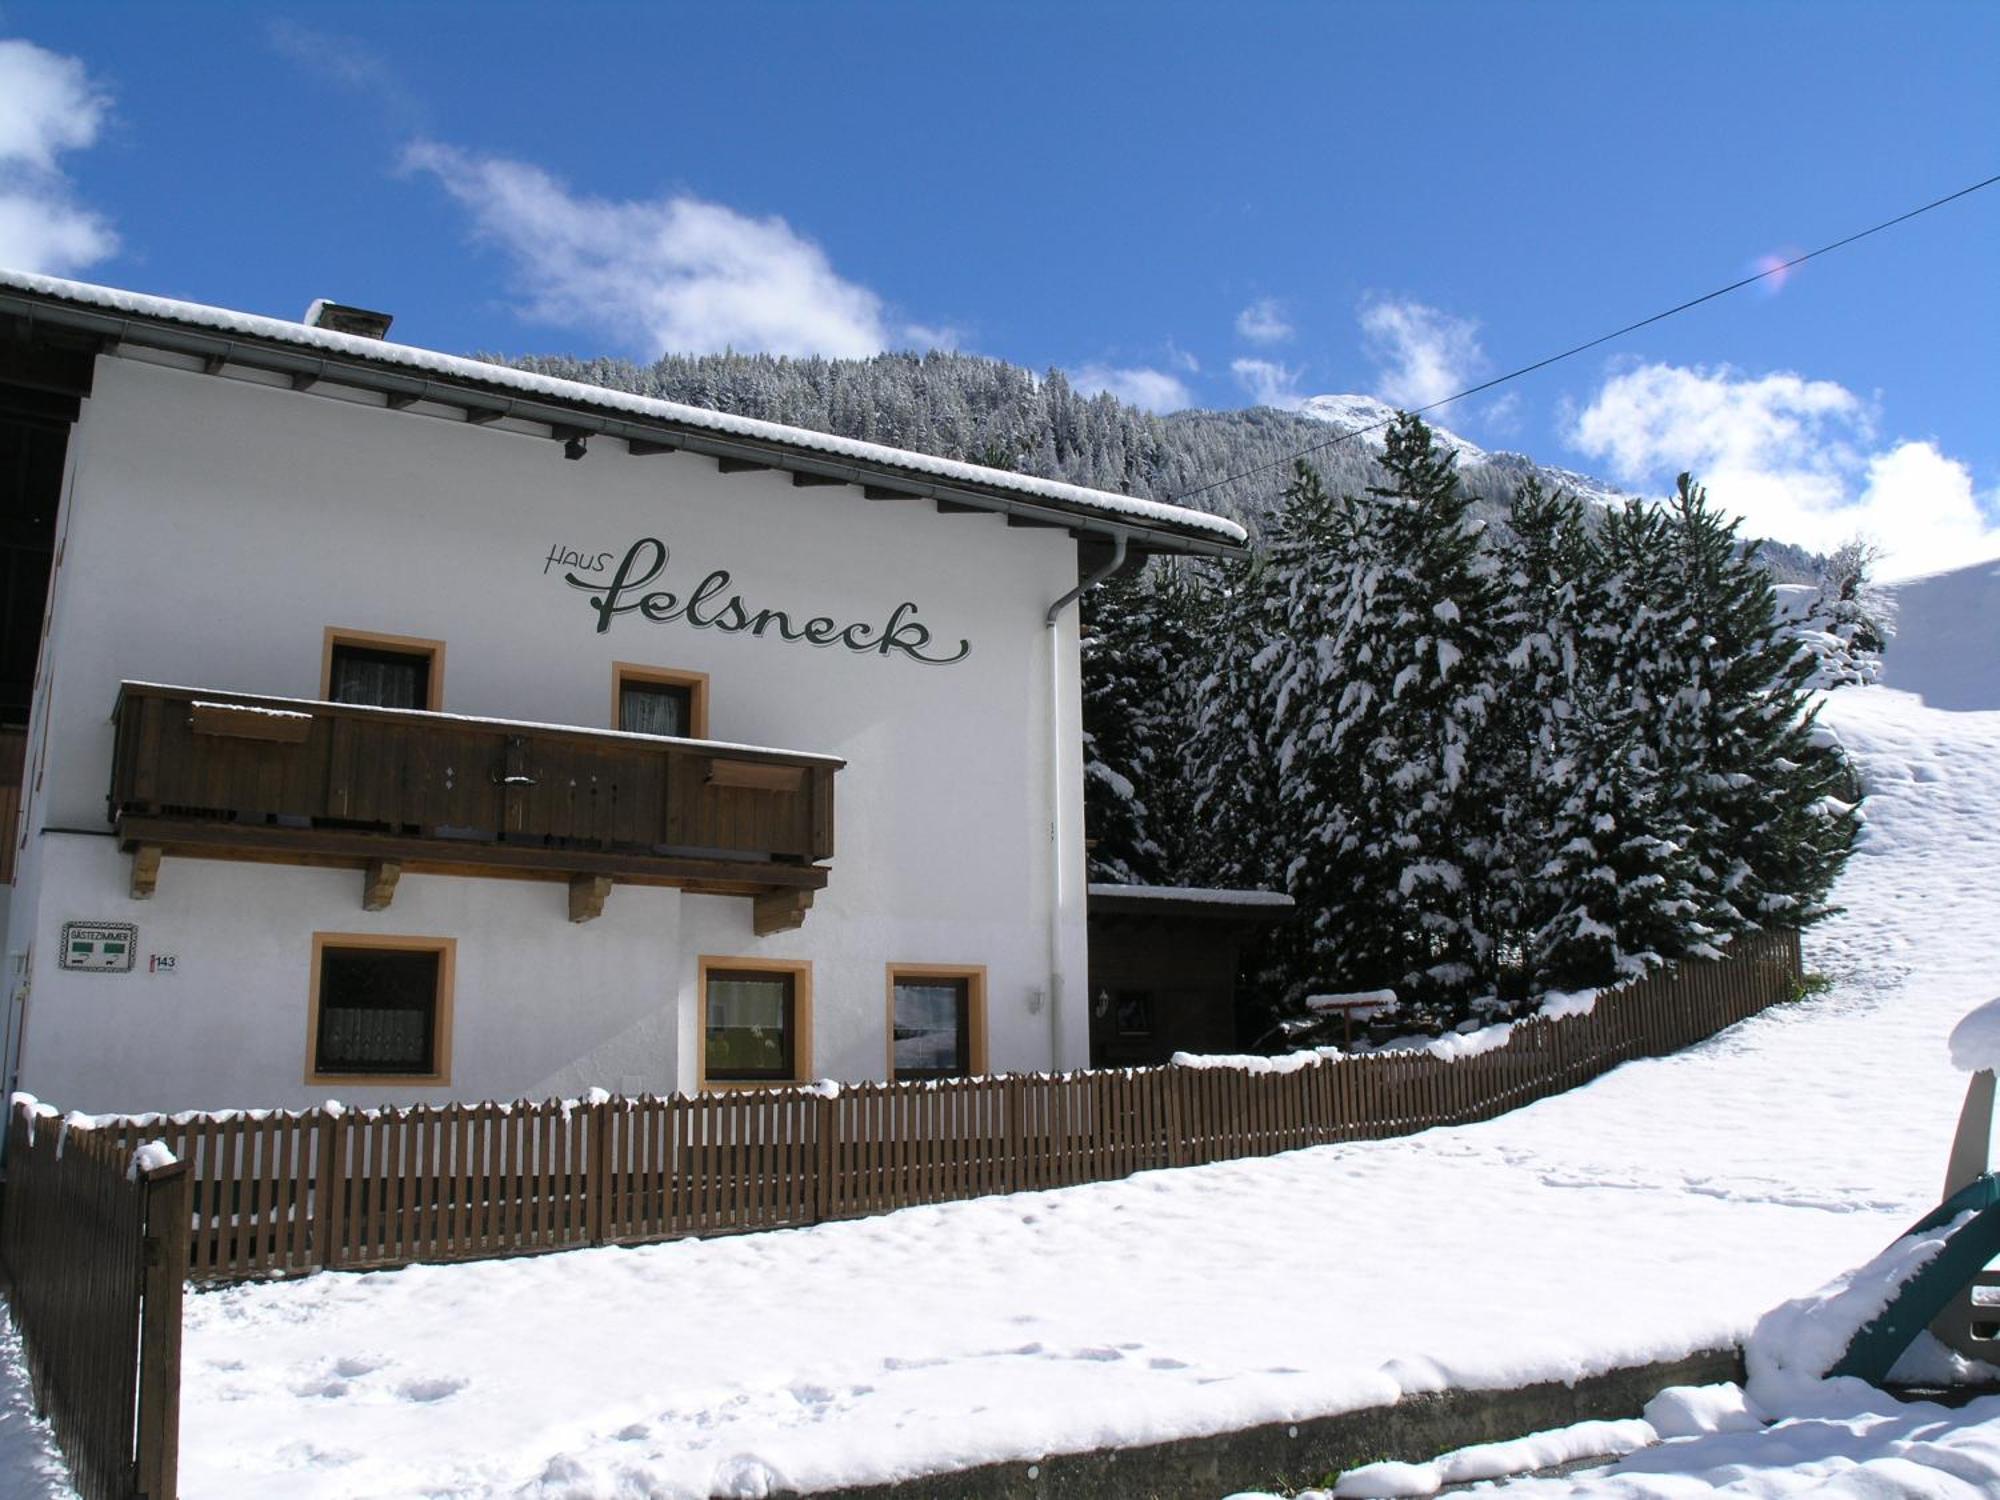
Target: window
<point x="381" y="1008"/>
<point x="937" y="1021"/>
<point x="388" y="671"/>
<point x="1135" y="1012"/>
<point x="756" y="1024"/>
<point x="656" y="700"/>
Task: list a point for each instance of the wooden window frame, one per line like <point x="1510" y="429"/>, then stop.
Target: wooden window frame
<point x="441" y="1015"/>
<point x="974" y="976"/>
<point x="802" y="1017"/>
<point x="369" y="640"/>
<point x="696" y="683"/>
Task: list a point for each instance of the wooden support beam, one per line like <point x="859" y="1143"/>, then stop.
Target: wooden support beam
<point x="807" y="481"/>
<point x="400" y="400"/>
<point x="879" y="492"/>
<point x="479" y="416"/>
<point x="304" y="380"/>
<point x="586" y="896"/>
<point x="639" y="448"/>
<point x="779" y="911"/>
<point x="211" y="364"/>
<point x="739" y="465"/>
<point x="953" y="508"/>
<point x="378" y="885"/>
<point x="145" y="871"/>
<point x="1035" y="522"/>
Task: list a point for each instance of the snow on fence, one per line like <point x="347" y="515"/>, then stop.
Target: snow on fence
<point x="94" y="1240"/>
<point x="279" y="1193"/>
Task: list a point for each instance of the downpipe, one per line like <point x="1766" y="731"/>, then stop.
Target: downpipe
<point x="1056" y="861"/>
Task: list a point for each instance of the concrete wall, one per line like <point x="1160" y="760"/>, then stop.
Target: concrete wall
<point x="215" y="526"/>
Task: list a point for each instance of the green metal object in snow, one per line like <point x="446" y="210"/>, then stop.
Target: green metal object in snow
<point x="1944" y="1294"/>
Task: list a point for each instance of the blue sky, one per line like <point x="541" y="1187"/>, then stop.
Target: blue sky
<point x="1207" y="205"/>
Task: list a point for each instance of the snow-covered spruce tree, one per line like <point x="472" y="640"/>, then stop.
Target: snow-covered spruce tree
<point x="1617" y="874"/>
<point x="1140" y="670"/>
<point x="1550" y="571"/>
<point x="1236" y="805"/>
<point x="1764" y="797"/>
<point x="1381" y="691"/>
<point x="1844" y="624"/>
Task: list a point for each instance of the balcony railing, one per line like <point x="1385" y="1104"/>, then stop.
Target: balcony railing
<point x="229" y="775"/>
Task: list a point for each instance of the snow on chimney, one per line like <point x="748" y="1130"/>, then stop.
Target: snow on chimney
<point x="341" y="318"/>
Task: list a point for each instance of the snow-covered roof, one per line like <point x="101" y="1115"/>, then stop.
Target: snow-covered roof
<point x="1188" y="901"/>
<point x="134" y="316"/>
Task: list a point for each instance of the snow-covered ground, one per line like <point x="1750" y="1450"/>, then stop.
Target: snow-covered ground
<point x="1659" y="1211"/>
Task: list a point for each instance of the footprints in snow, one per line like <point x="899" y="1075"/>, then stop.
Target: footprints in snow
<point x="348" y="1376"/>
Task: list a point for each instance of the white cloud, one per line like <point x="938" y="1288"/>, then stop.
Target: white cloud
<point x="1151" y="390"/>
<point x="1798" y="459"/>
<point x="48" y="105"/>
<point x="343" y="61"/>
<point x="1269" y="383"/>
<point x="1423" y="355"/>
<point x="1502" y="416"/>
<point x="678" y="273"/>
<point x="1263" y="322"/>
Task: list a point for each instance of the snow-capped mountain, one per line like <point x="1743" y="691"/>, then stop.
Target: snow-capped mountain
<point x="1494" y="475"/>
<point x="1370" y="419"/>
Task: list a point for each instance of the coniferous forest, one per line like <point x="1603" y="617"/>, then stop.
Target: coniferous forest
<point x="1488" y="762"/>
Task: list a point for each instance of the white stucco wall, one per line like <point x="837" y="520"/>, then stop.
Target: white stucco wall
<point x="214" y="527"/>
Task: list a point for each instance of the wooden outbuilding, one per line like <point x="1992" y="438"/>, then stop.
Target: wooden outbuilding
<point x="1163" y="965"/>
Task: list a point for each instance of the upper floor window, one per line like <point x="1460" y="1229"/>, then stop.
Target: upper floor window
<point x="383" y="670"/>
<point x="658" y="700"/>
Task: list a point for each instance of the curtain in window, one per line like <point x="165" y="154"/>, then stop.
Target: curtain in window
<point x="652" y="709"/>
<point x="749" y="1026"/>
<point x="383" y="678"/>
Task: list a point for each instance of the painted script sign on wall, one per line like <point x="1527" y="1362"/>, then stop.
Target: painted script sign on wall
<point x="633" y="585"/>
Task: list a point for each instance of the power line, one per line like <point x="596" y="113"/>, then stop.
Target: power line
<point x="1543" y="364"/>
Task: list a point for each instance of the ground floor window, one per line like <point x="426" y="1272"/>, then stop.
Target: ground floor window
<point x="381" y="1008"/>
<point x="756" y="1021"/>
<point x="937" y="1021"/>
<point x="1135" y="1012"/>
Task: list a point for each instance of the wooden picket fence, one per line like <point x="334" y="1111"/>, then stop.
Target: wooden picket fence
<point x="93" y="1248"/>
<point x="279" y="1193"/>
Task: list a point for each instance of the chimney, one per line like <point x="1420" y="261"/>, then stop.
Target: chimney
<point x="341" y="318"/>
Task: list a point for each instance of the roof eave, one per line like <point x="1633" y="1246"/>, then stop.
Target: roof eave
<point x="1145" y="534"/>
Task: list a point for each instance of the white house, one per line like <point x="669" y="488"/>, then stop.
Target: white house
<point x="403" y="727"/>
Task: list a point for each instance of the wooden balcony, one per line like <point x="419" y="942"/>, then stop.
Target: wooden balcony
<point x="230" y="776"/>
